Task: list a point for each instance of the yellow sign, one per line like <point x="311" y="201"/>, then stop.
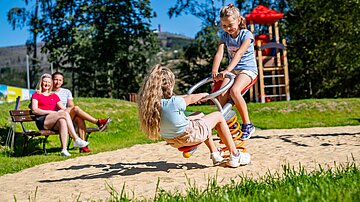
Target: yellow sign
<point x="13" y="93"/>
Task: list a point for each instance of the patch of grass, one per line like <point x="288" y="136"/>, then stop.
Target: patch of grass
<point x="335" y="184"/>
<point x="124" y="130"/>
<point x="300" y="113"/>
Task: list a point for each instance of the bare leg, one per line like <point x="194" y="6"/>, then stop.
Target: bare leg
<point x="224" y="97"/>
<point x="210" y="144"/>
<point x="62" y="128"/>
<point x="196" y="115"/>
<point x="241" y="81"/>
<point x="70" y="126"/>
<point x="78" y="112"/>
<point x="216" y="119"/>
<point x="52" y="118"/>
<point x="81" y="126"/>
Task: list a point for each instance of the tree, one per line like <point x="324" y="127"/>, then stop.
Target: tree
<point x="20" y="17"/>
<point x="199" y="55"/>
<point x="323" y="39"/>
<point x="108" y="42"/>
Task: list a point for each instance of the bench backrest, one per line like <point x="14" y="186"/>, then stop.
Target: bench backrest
<point x="22" y="115"/>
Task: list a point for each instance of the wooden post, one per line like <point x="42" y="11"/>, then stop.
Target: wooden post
<point x="286" y="72"/>
<point x="132" y="97"/>
<point x="277" y="38"/>
<point x="261" y="74"/>
<point x="278" y="56"/>
<point x="252" y="29"/>
<point x="256" y="86"/>
<point x="270" y="32"/>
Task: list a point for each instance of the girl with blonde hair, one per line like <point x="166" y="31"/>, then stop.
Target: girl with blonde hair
<point x="239" y="43"/>
<point x="161" y="114"/>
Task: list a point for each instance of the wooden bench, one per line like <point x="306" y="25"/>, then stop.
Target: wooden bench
<point x="21" y="116"/>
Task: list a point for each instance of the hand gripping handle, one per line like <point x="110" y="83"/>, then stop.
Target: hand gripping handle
<point x="213" y="95"/>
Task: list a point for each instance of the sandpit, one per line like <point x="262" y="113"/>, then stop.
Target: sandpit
<point x="140" y="167"/>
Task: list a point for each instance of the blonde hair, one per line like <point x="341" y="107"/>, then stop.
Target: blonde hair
<point x="232" y="11"/>
<point x="39" y="86"/>
<point x="157" y="85"/>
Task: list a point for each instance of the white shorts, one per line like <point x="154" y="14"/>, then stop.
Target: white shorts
<point x="197" y="132"/>
<point x="251" y="74"/>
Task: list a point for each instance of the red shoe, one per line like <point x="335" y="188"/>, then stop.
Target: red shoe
<point x="85" y="150"/>
<point x="103" y="123"/>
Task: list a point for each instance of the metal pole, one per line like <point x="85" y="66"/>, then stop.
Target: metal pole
<point x="28" y="73"/>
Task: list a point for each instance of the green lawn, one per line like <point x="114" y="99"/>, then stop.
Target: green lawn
<point x="124" y="129"/>
<point x="340" y="184"/>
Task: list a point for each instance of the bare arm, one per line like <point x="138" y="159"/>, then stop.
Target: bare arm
<point x="70" y="103"/>
<point x="217" y="60"/>
<point x="237" y="57"/>
<point x="193" y="98"/>
<point x="60" y="105"/>
<point x="37" y="111"/>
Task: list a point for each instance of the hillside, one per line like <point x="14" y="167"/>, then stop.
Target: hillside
<point x="173" y="41"/>
<point x="15" y="56"/>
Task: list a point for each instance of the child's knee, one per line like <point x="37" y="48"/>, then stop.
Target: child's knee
<point x="235" y="92"/>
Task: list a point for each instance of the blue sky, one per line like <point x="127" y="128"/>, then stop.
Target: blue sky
<point x="186" y="24"/>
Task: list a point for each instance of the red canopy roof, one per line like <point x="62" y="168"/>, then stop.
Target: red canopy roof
<point x="263" y="15"/>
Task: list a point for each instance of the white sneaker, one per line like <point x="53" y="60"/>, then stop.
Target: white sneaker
<point x="65" y="152"/>
<point x="241" y="159"/>
<point x="78" y="143"/>
<point x="217" y="158"/>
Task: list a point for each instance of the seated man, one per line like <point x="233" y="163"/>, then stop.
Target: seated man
<point x="77" y="114"/>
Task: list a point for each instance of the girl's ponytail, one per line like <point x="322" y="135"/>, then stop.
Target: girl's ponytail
<point x="242" y="24"/>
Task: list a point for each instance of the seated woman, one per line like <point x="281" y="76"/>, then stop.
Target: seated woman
<point x="44" y="105"/>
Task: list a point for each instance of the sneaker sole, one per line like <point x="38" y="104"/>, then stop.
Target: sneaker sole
<point x="233" y="166"/>
<point x="79" y="146"/>
<point x="62" y="154"/>
<point x="106" y="125"/>
<point x="219" y="163"/>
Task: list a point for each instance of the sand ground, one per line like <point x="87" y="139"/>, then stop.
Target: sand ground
<point x="140" y="167"/>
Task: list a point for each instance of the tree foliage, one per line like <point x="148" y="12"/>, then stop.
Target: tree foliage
<point x="199" y="55"/>
<point x="106" y="44"/>
<point x="322" y="36"/>
<point x="323" y="43"/>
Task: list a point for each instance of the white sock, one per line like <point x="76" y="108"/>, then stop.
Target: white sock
<point x="236" y="154"/>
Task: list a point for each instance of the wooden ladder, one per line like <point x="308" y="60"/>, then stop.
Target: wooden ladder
<point x="273" y="72"/>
